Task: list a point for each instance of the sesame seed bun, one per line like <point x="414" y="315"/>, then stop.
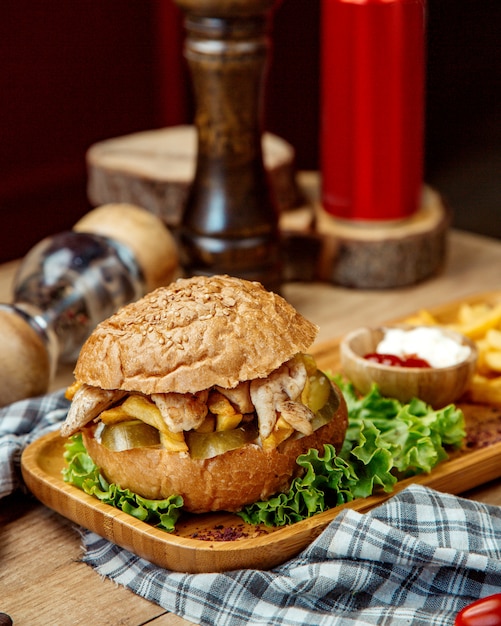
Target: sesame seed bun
<point x="192" y="335"/>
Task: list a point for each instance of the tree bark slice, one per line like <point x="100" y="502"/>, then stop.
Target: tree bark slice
<point x="366" y="255"/>
<point x="154" y="169"/>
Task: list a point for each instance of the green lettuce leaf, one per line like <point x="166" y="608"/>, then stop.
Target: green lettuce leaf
<point x="82" y="472"/>
<point x="385" y="440"/>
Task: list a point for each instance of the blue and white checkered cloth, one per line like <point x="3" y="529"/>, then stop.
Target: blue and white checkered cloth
<point x="415" y="560"/>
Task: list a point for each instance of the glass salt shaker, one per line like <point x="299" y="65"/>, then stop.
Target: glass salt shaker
<point x="70" y="282"/>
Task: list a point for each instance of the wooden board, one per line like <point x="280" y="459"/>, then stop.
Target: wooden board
<point x="258" y="547"/>
<point x="155" y="169"/>
<point x="366" y="255"/>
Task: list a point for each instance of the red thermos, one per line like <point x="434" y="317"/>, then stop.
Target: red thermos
<point x="372" y="108"/>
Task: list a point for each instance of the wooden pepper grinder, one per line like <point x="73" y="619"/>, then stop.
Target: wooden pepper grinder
<point x="230" y="224"/>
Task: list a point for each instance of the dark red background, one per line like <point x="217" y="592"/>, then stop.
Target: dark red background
<point x="73" y="73"/>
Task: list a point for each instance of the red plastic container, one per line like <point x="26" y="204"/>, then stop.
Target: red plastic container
<point x="372" y="131"/>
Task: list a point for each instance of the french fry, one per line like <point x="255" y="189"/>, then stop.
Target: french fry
<point x="143" y="409"/>
<point x="280" y="433"/>
<point x="481" y="322"/>
<point x="493" y="338"/>
<point x="422" y="318"/>
<point x="139" y="407"/>
<point x="477" y="326"/>
<point x="72" y="389"/>
<point x="483" y="348"/>
<point x="485" y="390"/>
<point x="468" y="313"/>
<point x="114" y="415"/>
<point x="173" y="442"/>
<point x="226" y="416"/>
<point x="492" y="359"/>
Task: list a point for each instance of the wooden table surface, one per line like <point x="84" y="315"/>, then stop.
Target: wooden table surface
<point x="42" y="580"/>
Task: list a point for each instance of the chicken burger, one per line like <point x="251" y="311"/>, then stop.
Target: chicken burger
<point x="203" y="389"/>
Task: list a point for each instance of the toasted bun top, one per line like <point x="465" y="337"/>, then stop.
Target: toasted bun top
<point x="194" y="334"/>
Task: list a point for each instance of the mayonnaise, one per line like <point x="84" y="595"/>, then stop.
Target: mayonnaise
<point x="426" y="342"/>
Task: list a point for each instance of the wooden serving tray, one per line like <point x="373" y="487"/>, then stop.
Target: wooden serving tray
<point x="194" y="546"/>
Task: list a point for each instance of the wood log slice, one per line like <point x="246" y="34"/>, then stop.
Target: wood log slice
<point x="154" y="169"/>
<point x="363" y="255"/>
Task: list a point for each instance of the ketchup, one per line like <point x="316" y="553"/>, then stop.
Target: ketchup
<point x="408" y="360"/>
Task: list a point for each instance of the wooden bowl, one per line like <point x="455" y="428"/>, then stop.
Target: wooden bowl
<point x="437" y="386"/>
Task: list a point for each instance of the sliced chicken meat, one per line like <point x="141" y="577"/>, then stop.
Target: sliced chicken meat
<point x="269" y="397"/>
<point x="269" y="394"/>
<point x="239" y="396"/>
<point x="297" y="415"/>
<point x="87" y="404"/>
<point x="182" y="411"/>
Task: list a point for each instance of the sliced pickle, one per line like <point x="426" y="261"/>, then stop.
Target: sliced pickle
<point x="130" y="434"/>
<point x="325" y="412"/>
<point x="208" y="445"/>
<point x="309" y="363"/>
<point x="316" y="391"/>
